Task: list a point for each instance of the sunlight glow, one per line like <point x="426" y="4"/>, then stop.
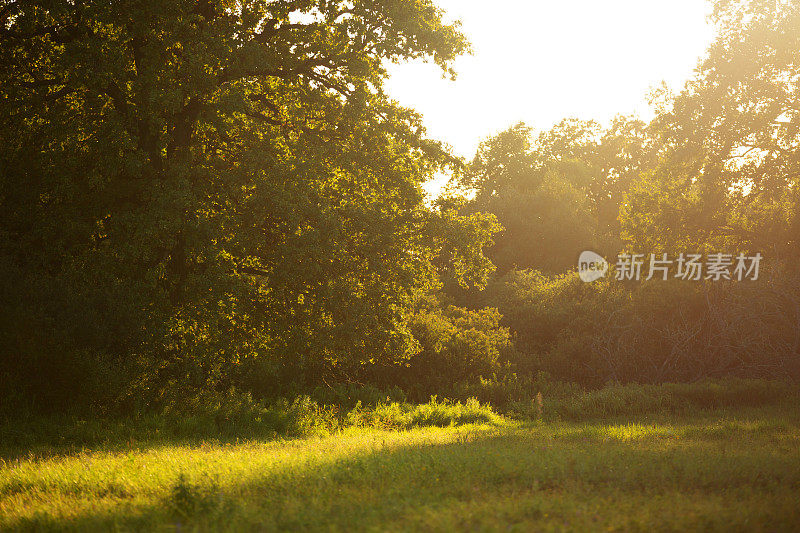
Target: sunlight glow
<point x="539" y="62"/>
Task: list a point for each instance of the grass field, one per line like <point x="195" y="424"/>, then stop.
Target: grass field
<point x="718" y="469"/>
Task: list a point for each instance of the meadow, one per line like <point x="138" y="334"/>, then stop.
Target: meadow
<point x="247" y="286"/>
<point x="693" y="457"/>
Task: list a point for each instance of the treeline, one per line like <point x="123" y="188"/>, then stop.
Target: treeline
<point x="716" y="171"/>
<point x="202" y="196"/>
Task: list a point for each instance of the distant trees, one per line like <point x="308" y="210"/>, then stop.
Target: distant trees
<point x="557" y="194"/>
<point x="728" y="143"/>
<point x="718" y="166"/>
<point x="717" y="170"/>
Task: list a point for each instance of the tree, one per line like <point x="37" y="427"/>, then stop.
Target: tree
<point x="198" y="191"/>
<point x="729" y="139"/>
<point x="556" y="194"/>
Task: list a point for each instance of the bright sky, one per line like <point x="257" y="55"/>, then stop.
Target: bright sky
<point x="539" y="61"/>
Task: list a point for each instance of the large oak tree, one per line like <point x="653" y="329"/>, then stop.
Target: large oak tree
<point x="205" y="192"/>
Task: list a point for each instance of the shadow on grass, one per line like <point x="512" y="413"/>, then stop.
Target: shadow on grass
<point x="53" y="438"/>
<point x="582" y="474"/>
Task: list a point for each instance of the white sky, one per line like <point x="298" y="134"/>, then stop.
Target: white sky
<point x="539" y="61"/>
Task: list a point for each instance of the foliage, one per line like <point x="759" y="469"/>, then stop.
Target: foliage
<point x="715" y="171"/>
<point x="508" y="391"/>
<point x="434" y="413"/>
<point x="556" y="194"/>
<point x="348" y="395"/>
<point x="205" y="199"/>
<point x="232" y="418"/>
<point x="188" y="500"/>
<point x="456" y="344"/>
<point x="655" y="332"/>
<point x="204" y="194"/>
<point x="727" y="143"/>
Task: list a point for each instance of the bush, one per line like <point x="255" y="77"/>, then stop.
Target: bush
<point x="662" y="331"/>
<point x="434" y="413"/>
<point x="188" y="500"/>
<point x="228" y="416"/>
<point x="232" y="417"/>
<point x="456" y="344"/>
<point x="348" y="395"/>
<point x="236" y="414"/>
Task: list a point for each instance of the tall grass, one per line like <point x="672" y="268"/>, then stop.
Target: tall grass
<point x="634" y="400"/>
<point x="236" y="417"/>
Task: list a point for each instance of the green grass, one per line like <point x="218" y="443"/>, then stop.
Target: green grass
<point x="232" y="420"/>
<point x="722" y="468"/>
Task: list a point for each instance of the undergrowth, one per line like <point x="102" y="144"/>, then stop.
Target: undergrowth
<point x="234" y="417"/>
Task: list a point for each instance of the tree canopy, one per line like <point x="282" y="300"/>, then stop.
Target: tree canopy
<point x="198" y="192"/>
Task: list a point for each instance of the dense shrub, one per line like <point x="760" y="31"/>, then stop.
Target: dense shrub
<point x="651" y="332"/>
<point x="456" y="345"/>
<point x="232" y="417"/>
<point x="238" y="415"/>
<point x="348" y="395"/>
